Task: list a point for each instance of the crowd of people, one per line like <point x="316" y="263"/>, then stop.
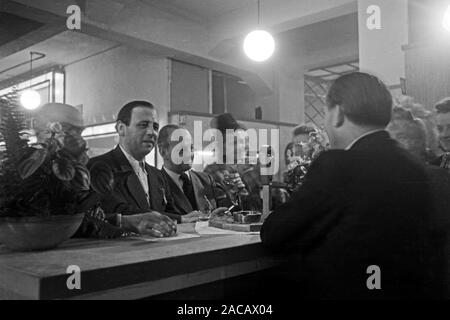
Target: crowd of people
<point x="374" y="192"/>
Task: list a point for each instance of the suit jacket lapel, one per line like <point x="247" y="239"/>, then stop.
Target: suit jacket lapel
<point x="135" y="188"/>
<point x="179" y="197"/>
<point x="199" y="191"/>
<point x="132" y="182"/>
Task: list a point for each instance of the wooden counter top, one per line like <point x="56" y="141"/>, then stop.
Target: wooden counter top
<point x="129" y="268"/>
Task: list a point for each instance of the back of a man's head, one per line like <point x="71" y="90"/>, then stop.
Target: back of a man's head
<point x="58" y="112"/>
<point x="363" y="98"/>
<point x="68" y="116"/>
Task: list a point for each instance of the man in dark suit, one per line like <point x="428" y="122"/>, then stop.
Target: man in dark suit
<point x="194" y="193"/>
<point x="140" y="200"/>
<point x="363" y="223"/>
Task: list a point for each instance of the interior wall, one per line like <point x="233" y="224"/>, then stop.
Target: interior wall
<point x="428" y="74"/>
<point x="426" y="56"/>
<point x="190" y="92"/>
<point x="270" y="106"/>
<point x="425" y="21"/>
<point x="103" y="83"/>
<point x="240" y="100"/>
<point x="380" y="49"/>
<point x="291" y="99"/>
<point x="189" y="87"/>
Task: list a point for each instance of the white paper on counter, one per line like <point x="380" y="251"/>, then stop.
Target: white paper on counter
<point x="202" y="227"/>
<point x="179" y="236"/>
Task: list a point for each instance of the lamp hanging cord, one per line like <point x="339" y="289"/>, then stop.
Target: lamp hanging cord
<point x="31" y="68"/>
<point x="40" y="56"/>
<point x="259" y="13"/>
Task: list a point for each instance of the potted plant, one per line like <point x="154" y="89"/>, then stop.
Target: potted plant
<point x="41" y="184"/>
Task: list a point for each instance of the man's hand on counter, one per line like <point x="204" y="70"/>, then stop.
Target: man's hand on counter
<point x="150" y="223"/>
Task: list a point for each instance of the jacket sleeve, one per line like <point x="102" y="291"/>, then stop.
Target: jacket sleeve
<point x="311" y="212"/>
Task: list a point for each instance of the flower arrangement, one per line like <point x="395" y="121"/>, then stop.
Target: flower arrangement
<point x="303" y="155"/>
<point x="41" y="179"/>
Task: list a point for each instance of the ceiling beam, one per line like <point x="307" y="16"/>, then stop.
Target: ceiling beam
<point x="53" y="25"/>
<point x="29" y="39"/>
<point x="31" y="13"/>
<point x="277" y="18"/>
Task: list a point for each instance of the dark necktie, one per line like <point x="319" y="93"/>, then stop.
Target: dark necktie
<point x="188" y="190"/>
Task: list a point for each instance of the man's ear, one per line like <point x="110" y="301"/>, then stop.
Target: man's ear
<point x="120" y="128"/>
<point x="338" y="117"/>
<point x="162" y="151"/>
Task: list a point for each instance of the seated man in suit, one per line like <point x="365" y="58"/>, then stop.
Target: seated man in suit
<point x="140" y="199"/>
<point x="362" y="224"/>
<point x="194" y="193"/>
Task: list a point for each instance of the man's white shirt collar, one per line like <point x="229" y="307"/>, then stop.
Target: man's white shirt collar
<point x="138" y="170"/>
<point x="362" y="136"/>
<point x="134" y="163"/>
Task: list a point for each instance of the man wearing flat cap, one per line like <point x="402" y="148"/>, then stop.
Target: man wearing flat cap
<point x="68" y="116"/>
<point x="71" y="123"/>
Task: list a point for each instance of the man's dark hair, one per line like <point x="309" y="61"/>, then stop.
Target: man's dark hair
<point x="364" y="99"/>
<point x="443" y="106"/>
<point x="125" y="112"/>
<point x="302" y="129"/>
<point x="164" y="135"/>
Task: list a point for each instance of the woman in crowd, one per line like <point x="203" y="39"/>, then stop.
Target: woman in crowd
<point x="427" y="117"/>
<point x="410" y="132"/>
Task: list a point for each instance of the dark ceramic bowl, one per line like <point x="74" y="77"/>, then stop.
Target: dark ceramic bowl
<point x="35" y="233"/>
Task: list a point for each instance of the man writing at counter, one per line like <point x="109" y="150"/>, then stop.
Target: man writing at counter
<point x="140" y="198"/>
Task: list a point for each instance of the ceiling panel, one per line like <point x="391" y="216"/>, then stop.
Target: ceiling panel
<point x="64" y="48"/>
<point x="330" y="73"/>
<point x="318" y="73"/>
<point x="206" y="9"/>
<point x="342" y="68"/>
<point x="13" y="27"/>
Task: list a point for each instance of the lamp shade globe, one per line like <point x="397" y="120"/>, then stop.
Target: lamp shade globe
<point x="30" y="99"/>
<point x="259" y="45"/>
